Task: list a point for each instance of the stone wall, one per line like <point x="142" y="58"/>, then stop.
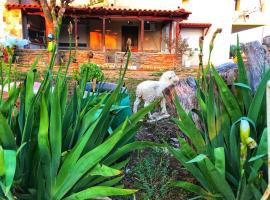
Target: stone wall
<point x="13" y="22"/>
<point x="138" y="61"/>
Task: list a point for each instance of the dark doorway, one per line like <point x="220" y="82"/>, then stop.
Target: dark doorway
<point x="132" y="33"/>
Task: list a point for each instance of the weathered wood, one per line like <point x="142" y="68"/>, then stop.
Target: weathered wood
<point x="186" y="88"/>
<point x="257" y="62"/>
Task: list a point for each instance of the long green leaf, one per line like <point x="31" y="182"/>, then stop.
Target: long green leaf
<point x="74" y="155"/>
<point x="100" y="191"/>
<point x="227" y="97"/>
<point x="29" y="86"/>
<point x="43" y="144"/>
<point x="211" y="112"/>
<point x="262" y="147"/>
<point x="188" y="126"/>
<point x="220" y="183"/>
<point x="186" y="149"/>
<point x="10" y="167"/>
<point x="112" y="182"/>
<point x="12" y="98"/>
<point x="234" y="151"/>
<point x="195" y="137"/>
<point x="191" y="167"/>
<point x="220" y="160"/>
<point x="7" y="138"/>
<point x="103" y="170"/>
<point x="258" y="99"/>
<point x="88" y="161"/>
<point x="242" y="76"/>
<point x="194" y="189"/>
<point x="55" y="130"/>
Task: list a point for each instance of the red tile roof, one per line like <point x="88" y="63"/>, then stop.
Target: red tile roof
<point x="195" y="25"/>
<point x="105" y="11"/>
<point x="21" y="6"/>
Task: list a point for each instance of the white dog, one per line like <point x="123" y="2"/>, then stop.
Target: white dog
<point x="148" y="91"/>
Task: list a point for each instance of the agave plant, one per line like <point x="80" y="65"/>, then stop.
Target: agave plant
<point x="55" y="147"/>
<point x="227" y="155"/>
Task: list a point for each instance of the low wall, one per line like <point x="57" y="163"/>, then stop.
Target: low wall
<point x="108" y="60"/>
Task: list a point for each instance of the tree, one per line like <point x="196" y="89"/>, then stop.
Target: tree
<point x="53" y="15"/>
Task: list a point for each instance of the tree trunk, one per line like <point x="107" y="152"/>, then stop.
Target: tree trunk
<point x="186" y="88"/>
<point x="257" y="61"/>
<point x="49" y="28"/>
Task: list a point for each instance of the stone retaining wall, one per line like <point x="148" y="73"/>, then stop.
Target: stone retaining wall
<point x="109" y="60"/>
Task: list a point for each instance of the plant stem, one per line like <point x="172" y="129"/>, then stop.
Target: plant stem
<point x="267" y="191"/>
<point x="2" y="81"/>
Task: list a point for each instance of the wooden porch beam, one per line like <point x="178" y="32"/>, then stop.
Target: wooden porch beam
<point x="170" y="38"/>
<point x="103" y="34"/>
<point x="142" y="34"/>
<point x="76" y="31"/>
<point x="177" y="32"/>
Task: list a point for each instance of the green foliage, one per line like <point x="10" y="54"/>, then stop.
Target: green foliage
<point x="54" y="147"/>
<point x="93" y="70"/>
<point x="225" y="166"/>
<point x="152" y="175"/>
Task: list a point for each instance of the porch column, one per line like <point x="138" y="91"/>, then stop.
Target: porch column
<point x="76" y="31"/>
<point x="24" y="25"/>
<point x="142" y="34"/>
<point x="170" y="38"/>
<point x="177" y="32"/>
<point x="103" y="34"/>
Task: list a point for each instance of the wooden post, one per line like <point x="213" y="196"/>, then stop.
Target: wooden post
<point x="170" y="38"/>
<point x="76" y="31"/>
<point x="142" y="34"/>
<point x="177" y="31"/>
<point x="103" y="34"/>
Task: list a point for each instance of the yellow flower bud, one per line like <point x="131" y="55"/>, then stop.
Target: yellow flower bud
<point x="251" y="143"/>
<point x="244" y="130"/>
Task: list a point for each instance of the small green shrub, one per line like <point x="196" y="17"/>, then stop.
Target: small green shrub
<point x="93" y="72"/>
<point x="152" y="174"/>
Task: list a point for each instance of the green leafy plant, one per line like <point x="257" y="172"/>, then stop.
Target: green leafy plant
<point x="94" y="72"/>
<point x="54" y="147"/>
<point x="227" y="155"/>
<point x="152" y="174"/>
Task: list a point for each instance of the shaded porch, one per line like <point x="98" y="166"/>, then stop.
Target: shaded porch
<point x="105" y="30"/>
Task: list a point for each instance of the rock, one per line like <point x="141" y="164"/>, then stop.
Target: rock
<point x="266" y="41"/>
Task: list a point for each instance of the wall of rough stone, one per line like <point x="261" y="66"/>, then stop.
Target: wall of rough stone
<point x="13" y="22"/>
<point x="138" y="61"/>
